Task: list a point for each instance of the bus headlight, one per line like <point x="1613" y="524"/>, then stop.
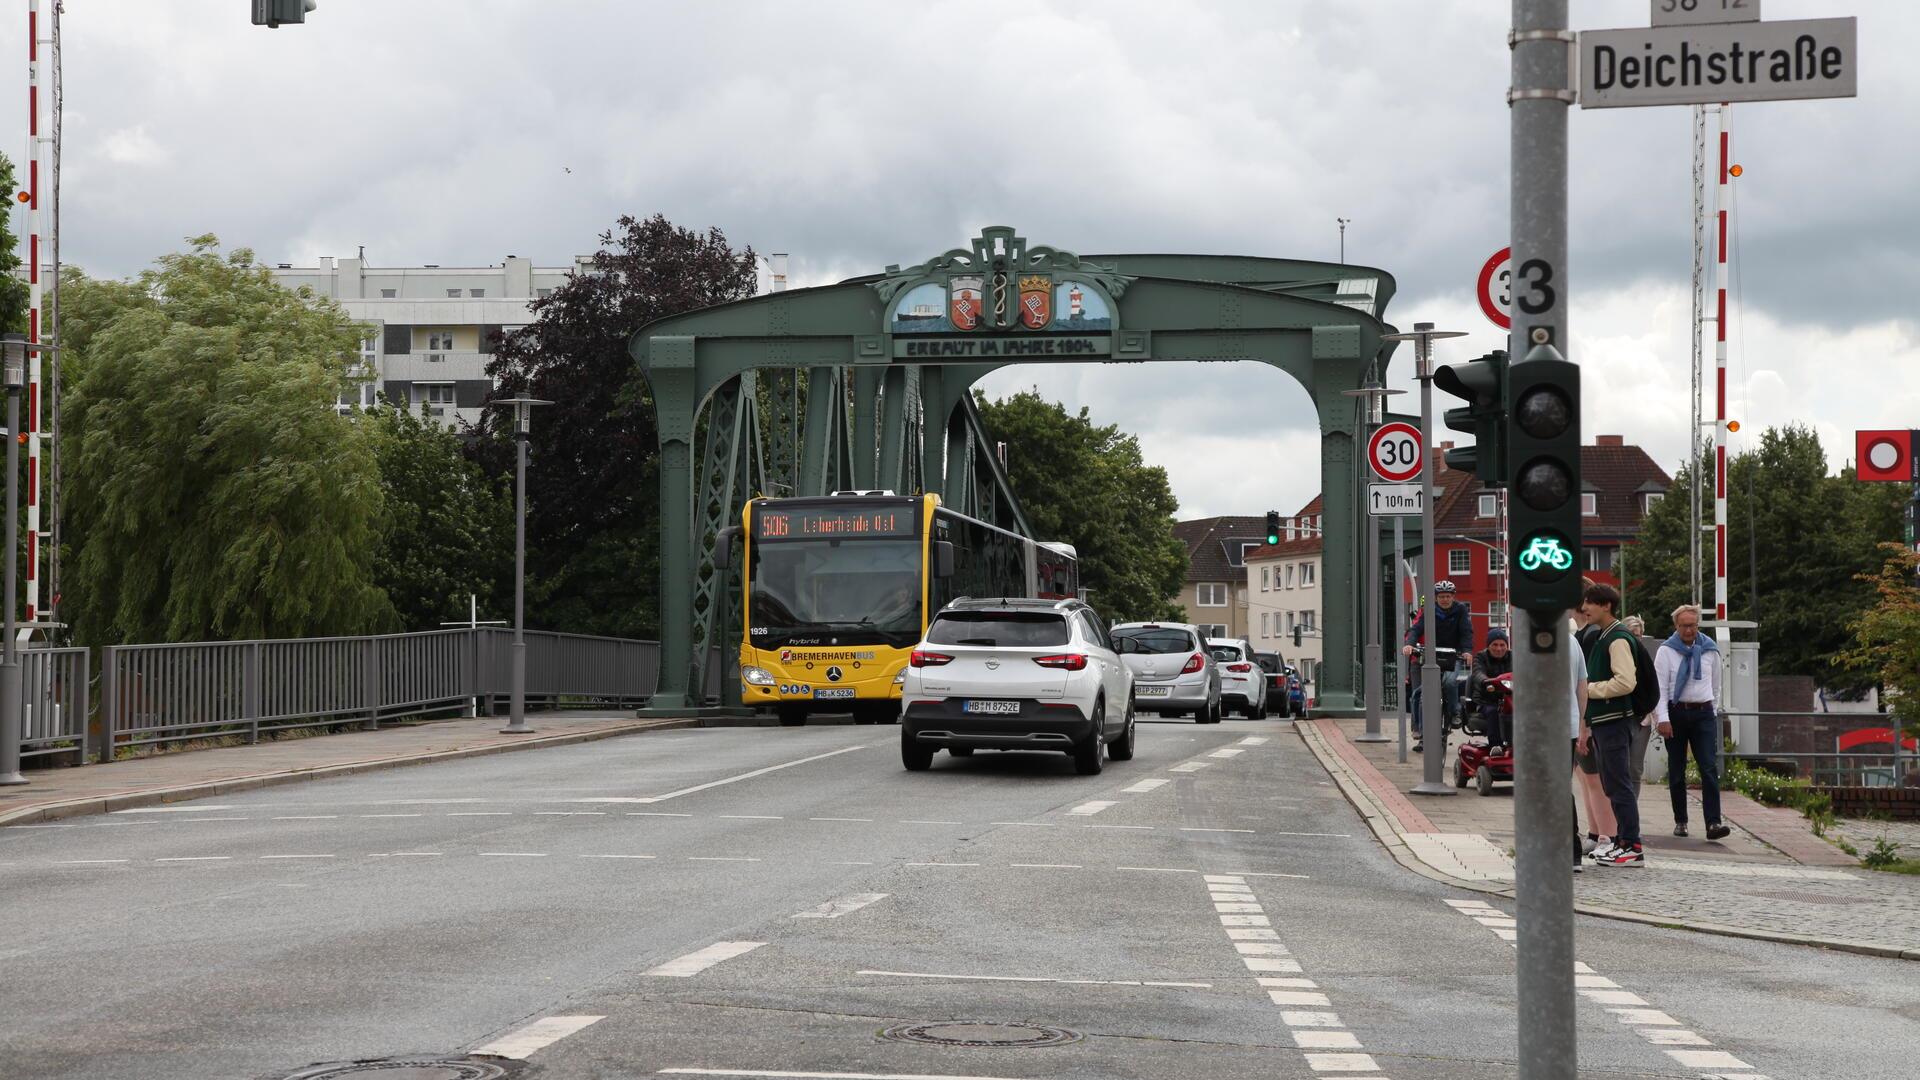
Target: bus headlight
<point x="757" y="676"/>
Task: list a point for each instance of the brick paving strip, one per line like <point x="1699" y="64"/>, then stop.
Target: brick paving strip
<point x="51" y="794"/>
<point x="1771" y="880"/>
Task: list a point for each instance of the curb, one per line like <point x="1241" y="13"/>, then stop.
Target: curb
<point x="181" y="793"/>
<point x="1386" y="830"/>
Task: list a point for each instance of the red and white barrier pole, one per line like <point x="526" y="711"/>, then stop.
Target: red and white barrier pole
<point x="31" y="423"/>
<point x="1722" y="210"/>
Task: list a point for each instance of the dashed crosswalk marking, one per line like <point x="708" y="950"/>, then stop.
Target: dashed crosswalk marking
<point x="1327" y="1044"/>
<point x="544" y="1032"/>
<point x="833" y="909"/>
<point x="701" y="959"/>
<point x="1656" y="1027"/>
<point x="1088" y="809"/>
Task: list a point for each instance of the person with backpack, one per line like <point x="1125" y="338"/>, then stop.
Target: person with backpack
<point x="1614" y="707"/>
<point x="1685" y="715"/>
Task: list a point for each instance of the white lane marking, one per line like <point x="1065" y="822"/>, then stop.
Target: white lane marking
<point x="480" y="813"/>
<point x="654" y="813"/>
<point x="751" y="775"/>
<point x="619" y="856"/>
<point x="1336" y="835"/>
<point x="911" y="821"/>
<point x="519" y="854"/>
<point x="235" y="818"/>
<point x="388" y="815"/>
<point x="1707" y="1059"/>
<point x="1299" y="997"/>
<point x="1227" y="752"/>
<point x="1595" y="982"/>
<point x="1260" y="948"/>
<point x="776" y="1074"/>
<point x="308" y="817"/>
<point x="609" y="799"/>
<point x="1237" y="907"/>
<point x="1341" y="1063"/>
<point x="1613" y="997"/>
<point x="569" y="813"/>
<point x="1227" y="879"/>
<point x="1145" y="786"/>
<point x="1287" y="984"/>
<point x="720" y="858"/>
<point x="86" y="862"/>
<point x="1038" y="979"/>
<point x="1326" y="1040"/>
<point x="1660" y="1036"/>
<point x="701" y="959"/>
<point x="1245" y="920"/>
<point x="196" y="858"/>
<point x="1158" y="869"/>
<point x="1263" y="963"/>
<point x="1254" y="740"/>
<point x="544" y="1032"/>
<point x="1046" y="866"/>
<point x="1249" y="934"/>
<point x="840" y="819"/>
<point x="297" y="856"/>
<point x="943" y="864"/>
<point x="1088" y="809"/>
<point x="1184" y="829"/>
<point x="784" y="1075"/>
<point x="172" y="809"/>
<point x="754" y="817"/>
<point x="1136" y="828"/>
<point x="1644" y="1016"/>
<point x="417" y="854"/>
<point x="1029" y="824"/>
<point x="833" y="909"/>
<point x="1310" y="1018"/>
<point x="1189" y="766"/>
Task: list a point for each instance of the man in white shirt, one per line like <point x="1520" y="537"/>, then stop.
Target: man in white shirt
<point x="1688" y="666"/>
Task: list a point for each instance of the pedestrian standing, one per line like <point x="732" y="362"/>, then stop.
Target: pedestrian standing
<point x="1610" y="719"/>
<point x="1688" y="666"/>
<point x="1586" y="767"/>
<point x="1643" y="727"/>
<point x="1577" y="671"/>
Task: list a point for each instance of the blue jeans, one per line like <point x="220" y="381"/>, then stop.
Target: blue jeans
<point x="1613" y="745"/>
<point x="1697" y="727"/>
<point x="1449" y="698"/>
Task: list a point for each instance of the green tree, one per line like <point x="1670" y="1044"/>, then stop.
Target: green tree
<point x="593" y="510"/>
<point x="1088" y="486"/>
<point x="212" y="490"/>
<point x="14" y="293"/>
<point x="1804" y="538"/>
<point x="447" y="529"/>
<point x="1886" y="636"/>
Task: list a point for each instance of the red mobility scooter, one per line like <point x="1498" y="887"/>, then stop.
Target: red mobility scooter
<point x="1490" y="761"/>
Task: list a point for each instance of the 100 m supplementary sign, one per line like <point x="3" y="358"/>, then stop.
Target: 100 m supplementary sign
<point x="1700" y="65"/>
<point x="1029" y="347"/>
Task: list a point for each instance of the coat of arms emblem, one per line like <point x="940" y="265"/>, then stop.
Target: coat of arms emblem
<point x="963" y="302"/>
<point x="1036" y="301"/>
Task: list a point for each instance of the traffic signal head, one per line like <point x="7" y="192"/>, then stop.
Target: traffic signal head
<point x="1543" y="439"/>
<point x="1296" y="635"/>
<point x="271" y="13"/>
<point x="1483" y="383"/>
<point x="1273" y="526"/>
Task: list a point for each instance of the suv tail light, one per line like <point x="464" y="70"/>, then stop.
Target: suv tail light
<point x="928" y="659"/>
<point x="1194" y="663"/>
<point x="1239" y="668"/>
<point x="1068" y="661"/>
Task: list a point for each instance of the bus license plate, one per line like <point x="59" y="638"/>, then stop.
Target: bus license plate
<point x="841" y="693"/>
<point x="996" y="708"/>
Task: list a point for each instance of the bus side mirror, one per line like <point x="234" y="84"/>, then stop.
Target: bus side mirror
<point x="723" y="547"/>
<point x="943" y="558"/>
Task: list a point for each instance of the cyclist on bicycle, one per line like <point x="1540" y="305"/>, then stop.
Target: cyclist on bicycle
<point x="1456" y="633"/>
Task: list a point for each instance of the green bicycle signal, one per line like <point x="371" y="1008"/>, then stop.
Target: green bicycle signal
<point x="1545" y="552"/>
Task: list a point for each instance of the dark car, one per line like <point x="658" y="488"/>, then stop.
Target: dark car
<point x="1279" y="697"/>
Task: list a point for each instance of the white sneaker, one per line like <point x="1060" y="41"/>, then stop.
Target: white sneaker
<point x="1601" y="853"/>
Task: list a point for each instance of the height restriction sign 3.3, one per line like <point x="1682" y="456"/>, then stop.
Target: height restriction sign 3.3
<point x="1394" y="452"/>
<point x="1495" y="288"/>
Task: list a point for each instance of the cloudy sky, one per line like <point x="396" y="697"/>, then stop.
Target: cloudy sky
<point x="857" y="134"/>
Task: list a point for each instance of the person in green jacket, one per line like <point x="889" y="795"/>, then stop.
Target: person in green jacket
<point x="1610" y="720"/>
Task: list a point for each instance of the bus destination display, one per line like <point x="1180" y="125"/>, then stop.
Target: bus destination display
<point x="803" y="523"/>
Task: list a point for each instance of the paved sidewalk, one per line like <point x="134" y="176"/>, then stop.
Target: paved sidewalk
<point x="1771" y="879"/>
<point x="94" y="789"/>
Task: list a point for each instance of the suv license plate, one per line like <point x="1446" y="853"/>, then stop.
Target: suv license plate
<point x="834" y="694"/>
<point x="1152" y="691"/>
<point x="997" y="708"/>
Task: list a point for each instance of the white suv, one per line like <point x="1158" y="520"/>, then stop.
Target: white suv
<point x="1016" y="675"/>
<point x="1243" y="685"/>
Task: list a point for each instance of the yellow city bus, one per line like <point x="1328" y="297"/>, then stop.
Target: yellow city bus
<point x="838" y="590"/>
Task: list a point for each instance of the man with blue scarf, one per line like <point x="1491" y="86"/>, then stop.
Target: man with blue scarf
<point x="1688" y="664"/>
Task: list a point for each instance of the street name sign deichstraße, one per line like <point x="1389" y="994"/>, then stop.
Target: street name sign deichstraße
<point x="1396" y="500"/>
<point x="1722" y="62"/>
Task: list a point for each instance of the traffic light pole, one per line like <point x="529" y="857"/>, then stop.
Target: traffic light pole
<point x="1543" y="691"/>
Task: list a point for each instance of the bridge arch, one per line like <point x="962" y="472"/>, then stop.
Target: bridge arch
<point x="898" y="408"/>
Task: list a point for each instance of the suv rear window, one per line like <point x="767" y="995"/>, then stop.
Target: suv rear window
<point x="1007" y="629"/>
<point x="1269" y="663"/>
<point x="1225" y="652"/>
<point x="1156" y="640"/>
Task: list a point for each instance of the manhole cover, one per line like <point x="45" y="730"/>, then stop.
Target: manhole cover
<point x="414" y="1068"/>
<point x="981" y="1033"/>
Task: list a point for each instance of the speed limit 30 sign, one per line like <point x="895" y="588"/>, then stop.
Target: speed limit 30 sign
<point x="1394" y="452"/>
<point x="1495" y="288"/>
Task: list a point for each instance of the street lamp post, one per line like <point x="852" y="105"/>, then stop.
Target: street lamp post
<point x="11" y="732"/>
<point x="522" y="427"/>
<point x="1374" y="397"/>
<point x="1432" y="725"/>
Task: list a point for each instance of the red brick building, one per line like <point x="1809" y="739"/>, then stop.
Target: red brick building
<point x="1619" y="483"/>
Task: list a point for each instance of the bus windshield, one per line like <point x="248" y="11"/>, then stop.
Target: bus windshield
<point x="861" y="591"/>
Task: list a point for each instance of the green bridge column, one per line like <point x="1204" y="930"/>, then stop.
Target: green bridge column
<point x="670" y="375"/>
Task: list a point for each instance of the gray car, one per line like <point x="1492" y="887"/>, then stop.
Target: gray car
<point x="1172" y="673"/>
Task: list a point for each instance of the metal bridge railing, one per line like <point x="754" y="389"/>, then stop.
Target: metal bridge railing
<point x="155" y="694"/>
<point x="54" y="695"/>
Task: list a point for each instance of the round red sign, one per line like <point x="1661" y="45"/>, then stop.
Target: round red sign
<point x="1394" y="452"/>
<point x="1495" y="288"/>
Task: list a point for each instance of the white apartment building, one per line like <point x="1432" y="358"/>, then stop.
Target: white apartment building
<point x="1284" y="596"/>
<point x="429" y="347"/>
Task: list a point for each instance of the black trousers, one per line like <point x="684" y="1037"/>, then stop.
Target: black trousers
<point x="1613" y="746"/>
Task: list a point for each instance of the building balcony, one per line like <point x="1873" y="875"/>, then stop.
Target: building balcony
<point x="435" y="365"/>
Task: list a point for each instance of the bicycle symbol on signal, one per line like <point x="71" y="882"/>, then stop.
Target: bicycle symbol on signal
<point x="1545" y="551"/>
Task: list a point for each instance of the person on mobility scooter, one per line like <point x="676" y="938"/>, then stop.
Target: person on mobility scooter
<point x="1492" y="760"/>
<point x="1452" y="651"/>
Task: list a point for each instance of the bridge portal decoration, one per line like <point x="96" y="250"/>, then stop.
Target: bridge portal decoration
<point x="868" y="384"/>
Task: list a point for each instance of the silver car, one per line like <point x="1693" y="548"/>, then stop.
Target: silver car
<point x="1172" y="673"/>
<point x="1243" y="686"/>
